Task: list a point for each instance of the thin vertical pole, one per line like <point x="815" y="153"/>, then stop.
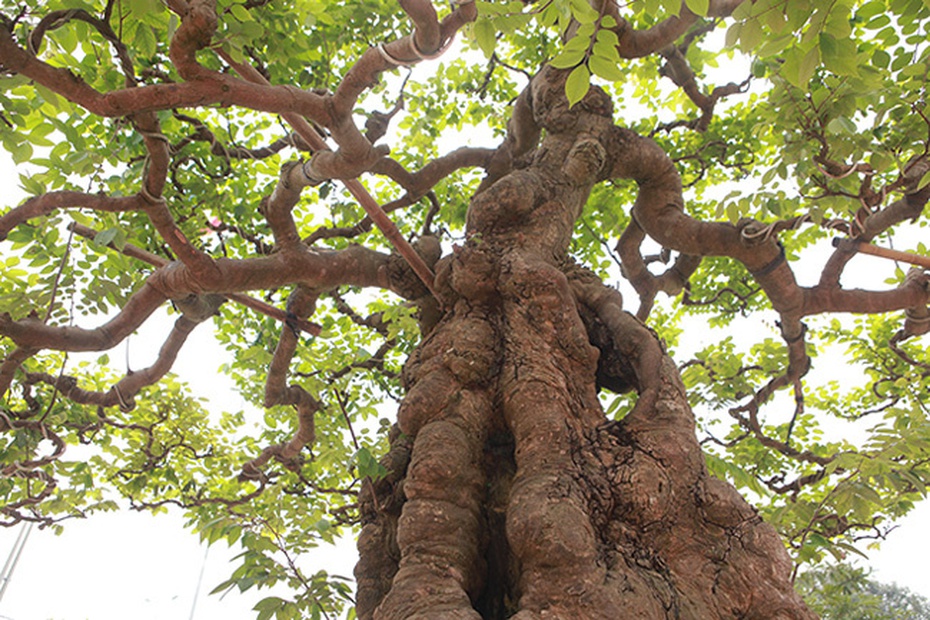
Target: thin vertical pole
<point x="203" y="565"/>
<point x="15" y="553"/>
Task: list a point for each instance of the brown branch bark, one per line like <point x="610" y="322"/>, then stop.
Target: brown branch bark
<point x="646" y="284"/>
<point x="249" y="302"/>
<point x="123" y="393"/>
<point x="217" y="89"/>
<point x="32" y="333"/>
<point x="301" y="304"/>
<point x="371" y="207"/>
<point x="640" y="43"/>
<point x="38" y="206"/>
<point x="908" y="207"/>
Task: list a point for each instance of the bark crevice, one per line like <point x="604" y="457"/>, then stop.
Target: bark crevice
<point x="521" y="500"/>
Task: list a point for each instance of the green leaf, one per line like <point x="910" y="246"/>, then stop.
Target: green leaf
<point x="567" y="59"/>
<point x="881" y="161"/>
<point x="672" y="7"/>
<point x="602" y="67"/>
<point x="240" y="12"/>
<point x="577" y="84"/>
<point x="105" y="237"/>
<point x="32" y="185"/>
<point x="841" y="124"/>
<point x="924" y="181"/>
<point x="272" y="603"/>
<point x="750" y="35"/>
<point x="799" y="67"/>
<point x="881" y="59"/>
<point x="839" y="55"/>
<point x="732" y="36"/>
<point x="485" y="36"/>
<point x="583" y="12"/>
<point x="698" y="7"/>
<point x="20" y="151"/>
<point x="144" y="7"/>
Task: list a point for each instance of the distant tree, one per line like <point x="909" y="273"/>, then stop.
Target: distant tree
<point x="844" y="592"/>
<point x="361" y="226"/>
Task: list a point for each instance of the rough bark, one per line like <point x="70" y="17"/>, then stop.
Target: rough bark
<point x="510" y="493"/>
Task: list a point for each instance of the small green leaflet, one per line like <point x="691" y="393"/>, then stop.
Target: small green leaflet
<point x="577" y="84"/>
<point x="567" y="58"/>
<point x="603" y="67"/>
<point x="698" y="7"/>
<point x="485" y="36"/>
<point x="924" y="181"/>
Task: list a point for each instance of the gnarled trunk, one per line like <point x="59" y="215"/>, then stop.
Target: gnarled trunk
<point x="510" y="494"/>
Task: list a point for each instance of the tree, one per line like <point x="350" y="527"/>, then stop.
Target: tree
<point x="844" y="591"/>
<point x="545" y="461"/>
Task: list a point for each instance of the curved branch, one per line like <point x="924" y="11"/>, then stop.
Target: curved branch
<point x="301" y="304"/>
<point x="32" y="333"/>
<point x="647" y="285"/>
<point x="659" y="210"/>
<point x="45" y="204"/>
<point x="418" y="183"/>
<point x="371" y="207"/>
<point x="217" y="89"/>
<point x="913" y="292"/>
<point x="202" y="133"/>
<point x="11" y="364"/>
<point x="123" y="393"/>
<point x="679" y="71"/>
<point x="57" y="19"/>
<point x="908" y="207"/>
<point x="406" y="51"/>
<point x="198" y="23"/>
<point x="202" y="266"/>
<point x="639" y="43"/>
<point x="318" y="270"/>
<point x="635" y="343"/>
<point x="277" y="207"/>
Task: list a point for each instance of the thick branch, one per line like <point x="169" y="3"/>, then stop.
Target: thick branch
<point x="659" y="210"/>
<point x="123" y="392"/>
<point x="912" y="292"/>
<point x="218" y="89"/>
<point x="45" y="204"/>
<point x="646" y="284"/>
<point x="908" y="207"/>
<point x="249" y="302"/>
<point x="31" y="332"/>
<point x="369" y="204"/>
<point x="201" y="264"/>
<point x="639" y="43"/>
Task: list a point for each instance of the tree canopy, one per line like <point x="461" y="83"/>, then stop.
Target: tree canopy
<point x="843" y="591"/>
<point x="296" y="171"/>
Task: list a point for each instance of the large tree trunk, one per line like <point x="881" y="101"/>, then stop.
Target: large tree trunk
<point x="510" y="494"/>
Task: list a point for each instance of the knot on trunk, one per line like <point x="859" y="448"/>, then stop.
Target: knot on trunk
<point x="585" y="160"/>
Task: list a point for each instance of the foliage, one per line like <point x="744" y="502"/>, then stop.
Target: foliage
<point x="844" y="591"/>
<point x="824" y="119"/>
